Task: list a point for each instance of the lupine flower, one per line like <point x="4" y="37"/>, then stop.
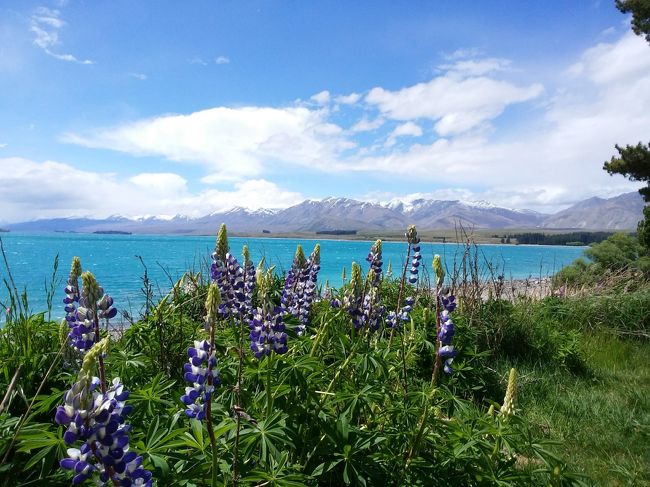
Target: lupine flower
<point x="300" y="286"/>
<point x="201" y="370"/>
<point x="267" y="332"/>
<point x="246" y="307"/>
<point x="229" y="276"/>
<point x="446" y="331"/>
<point x="81" y="335"/>
<point x="267" y="326"/>
<point x="414" y="251"/>
<point x="363" y="302"/>
<point x="508" y="408"/>
<point x="97" y="420"/>
<point x="202" y="363"/>
<point x="352" y="299"/>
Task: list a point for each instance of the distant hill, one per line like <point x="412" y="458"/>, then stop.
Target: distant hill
<point x="345" y="215"/>
<point x="619" y="213"/>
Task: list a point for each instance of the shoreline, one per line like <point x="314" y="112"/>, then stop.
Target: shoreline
<point x="474" y="239"/>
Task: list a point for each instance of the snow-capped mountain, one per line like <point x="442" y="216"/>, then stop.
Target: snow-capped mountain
<point x="346" y="214"/>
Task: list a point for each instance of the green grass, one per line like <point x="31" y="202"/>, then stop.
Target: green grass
<point x="601" y="418"/>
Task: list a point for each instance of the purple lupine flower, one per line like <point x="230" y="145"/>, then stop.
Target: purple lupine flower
<point x="267" y="332"/>
<point x="96" y="418"/>
<point x="394" y="318"/>
<point x="235" y="282"/>
<point x="300" y="286"/>
<point x="353" y="297"/>
<point x="447" y="331"/>
<point x="363" y="302"/>
<point x="201" y="369"/>
<point x="82" y="333"/>
<point x="246" y="305"/>
<point x="201" y="365"/>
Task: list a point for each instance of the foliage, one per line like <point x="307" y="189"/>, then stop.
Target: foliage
<point x="620" y="255"/>
<point x="571" y="238"/>
<point x="342" y="406"/>
<point x="634" y="162"/>
<point x="640" y="15"/>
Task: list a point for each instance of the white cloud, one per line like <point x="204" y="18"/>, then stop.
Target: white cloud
<point x="321" y="98"/>
<point x="365" y="125"/>
<point x="45" y="24"/>
<point x="2" y="146"/>
<point x="138" y="76"/>
<point x="350" y="99"/>
<point x="222" y="60"/>
<point x="409" y="129"/>
<point x="457" y="104"/>
<point x="552" y="159"/>
<point x="197" y="60"/>
<point x="239" y="141"/>
<point x="477" y="67"/>
<point x="51" y="189"/>
<point x="469" y="52"/>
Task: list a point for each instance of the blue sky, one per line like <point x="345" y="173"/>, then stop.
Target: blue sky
<point x="150" y="108"/>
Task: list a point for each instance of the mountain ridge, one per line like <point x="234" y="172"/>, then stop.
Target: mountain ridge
<point x="333" y="214"/>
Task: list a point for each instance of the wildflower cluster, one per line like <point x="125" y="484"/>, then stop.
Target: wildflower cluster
<point x="96" y="418"/>
<point x="300" y="286"/>
<point x="416" y="257"/>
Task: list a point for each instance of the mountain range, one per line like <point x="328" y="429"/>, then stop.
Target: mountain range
<point x="332" y="215"/>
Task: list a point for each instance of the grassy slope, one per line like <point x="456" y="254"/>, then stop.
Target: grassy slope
<point x="601" y="418"/>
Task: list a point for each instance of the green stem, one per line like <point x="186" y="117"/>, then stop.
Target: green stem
<point x="269" y="396"/>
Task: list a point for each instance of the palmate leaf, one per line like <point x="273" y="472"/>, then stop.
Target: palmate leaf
<point x="43" y="444"/>
<point x="279" y="474"/>
<point x="152" y="397"/>
<point x="269" y="438"/>
<point x="158" y="445"/>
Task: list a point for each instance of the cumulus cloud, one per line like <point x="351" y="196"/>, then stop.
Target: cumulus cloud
<point x="406" y="129"/>
<point x="551" y="159"/>
<point x="476" y="67"/>
<point x="457" y="104"/>
<point x="350" y="99"/>
<point x="366" y="125"/>
<point x="321" y="98"/>
<point x="235" y="140"/>
<point x="45" y="24"/>
<point x="50" y="189"/>
<point x="222" y="60"/>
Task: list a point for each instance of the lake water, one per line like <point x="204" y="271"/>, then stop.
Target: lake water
<point x="113" y="259"/>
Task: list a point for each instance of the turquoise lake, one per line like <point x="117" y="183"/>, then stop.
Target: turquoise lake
<point x="112" y="258"/>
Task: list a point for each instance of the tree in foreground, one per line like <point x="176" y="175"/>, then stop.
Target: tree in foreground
<point x="640" y="10"/>
<point x="633" y="161"/>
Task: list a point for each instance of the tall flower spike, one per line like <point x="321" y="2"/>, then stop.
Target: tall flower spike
<point x="97" y="420"/>
<point x="366" y="308"/>
<point x="229" y="276"/>
<point x="201" y="370"/>
<point x="267" y="326"/>
<point x="438" y="269"/>
<point x="80" y="338"/>
<point x="416" y="257"/>
<point x="352" y="299"/>
<point x="300" y="286"/>
<point x="446" y="330"/>
<point x="510" y="399"/>
<point x="246" y="307"/>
